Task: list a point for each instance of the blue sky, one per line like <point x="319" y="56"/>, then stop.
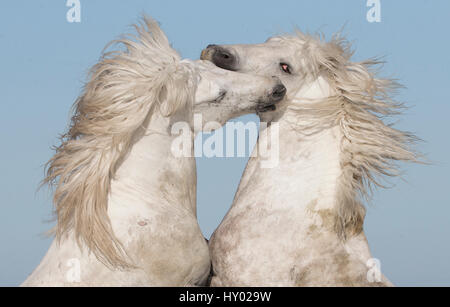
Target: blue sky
<point x="44" y="61"/>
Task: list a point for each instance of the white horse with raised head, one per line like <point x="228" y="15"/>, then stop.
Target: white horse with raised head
<point x="125" y="204"/>
<point x="300" y="223"/>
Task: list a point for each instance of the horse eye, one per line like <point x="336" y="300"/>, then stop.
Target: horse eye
<point x="285" y="67"/>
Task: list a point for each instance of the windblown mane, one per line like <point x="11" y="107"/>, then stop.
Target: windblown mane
<point x="370" y="148"/>
<point x="125" y="88"/>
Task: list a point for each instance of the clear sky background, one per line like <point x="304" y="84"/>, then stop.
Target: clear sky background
<point x="44" y="61"/>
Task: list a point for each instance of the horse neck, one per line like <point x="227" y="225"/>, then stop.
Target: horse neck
<point x="307" y="174"/>
<point x="151" y="176"/>
<point x="306" y="179"/>
<point x="303" y="191"/>
<point x="311" y="160"/>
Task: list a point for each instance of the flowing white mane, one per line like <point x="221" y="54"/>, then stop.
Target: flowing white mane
<point x="361" y="101"/>
<point x="141" y="77"/>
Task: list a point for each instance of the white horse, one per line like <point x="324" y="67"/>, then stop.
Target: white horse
<point x="125" y="204"/>
<point x="300" y="223"/>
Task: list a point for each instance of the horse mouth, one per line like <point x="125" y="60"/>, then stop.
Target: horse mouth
<point x="277" y="94"/>
<point x="221" y="96"/>
<point x="266" y="108"/>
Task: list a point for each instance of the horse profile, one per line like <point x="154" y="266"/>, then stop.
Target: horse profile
<point x="125" y="205"/>
<point x="300" y="223"/>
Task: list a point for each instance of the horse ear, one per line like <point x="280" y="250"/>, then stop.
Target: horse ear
<point x="175" y="91"/>
<point x="168" y="99"/>
<point x="331" y="56"/>
<point x="163" y="100"/>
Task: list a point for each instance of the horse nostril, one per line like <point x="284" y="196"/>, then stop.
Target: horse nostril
<point x="223" y="54"/>
<point x="278" y="92"/>
<point x="223" y="58"/>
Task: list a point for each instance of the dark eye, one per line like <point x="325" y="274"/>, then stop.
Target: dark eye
<point x="285" y="67"/>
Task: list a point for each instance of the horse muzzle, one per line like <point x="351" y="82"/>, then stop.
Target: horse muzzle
<point x="276" y="95"/>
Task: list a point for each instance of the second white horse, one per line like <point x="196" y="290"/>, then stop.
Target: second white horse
<point x="300" y="223"/>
